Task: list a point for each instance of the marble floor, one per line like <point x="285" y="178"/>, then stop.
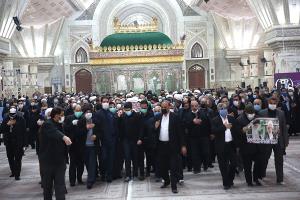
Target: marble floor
<point x="204" y="186"/>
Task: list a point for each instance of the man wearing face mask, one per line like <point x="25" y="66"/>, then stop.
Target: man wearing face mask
<point x="14" y="139"/>
<point x="226" y="141"/>
<point x="75" y="129"/>
<point x="251" y="153"/>
<point x="106" y="130"/>
<point x="33" y="126"/>
<point x="170" y="143"/>
<point x="23" y="111"/>
<point x="199" y="131"/>
<point x="283" y="140"/>
<point x="205" y="102"/>
<point x="53" y="155"/>
<point x="90" y="146"/>
<point x="237" y="105"/>
<point x="131" y="137"/>
<point x="143" y="145"/>
<point x="257" y="105"/>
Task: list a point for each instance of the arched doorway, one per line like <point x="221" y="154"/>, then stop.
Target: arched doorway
<point x="83" y="79"/>
<point x="196" y="77"/>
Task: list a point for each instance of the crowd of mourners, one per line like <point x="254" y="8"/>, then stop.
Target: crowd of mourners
<point x="138" y="135"/>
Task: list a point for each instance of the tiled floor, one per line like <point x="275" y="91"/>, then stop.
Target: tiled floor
<point x="203" y="186"/>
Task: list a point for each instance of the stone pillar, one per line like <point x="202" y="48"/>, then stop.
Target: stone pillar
<point x="8" y="78"/>
<point x="269" y="68"/>
<point x="24" y="84"/>
<point x="236" y="71"/>
<point x="33" y="72"/>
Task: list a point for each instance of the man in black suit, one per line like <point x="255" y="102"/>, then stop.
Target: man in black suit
<point x="273" y="112"/>
<point x="13" y="128"/>
<point x="226" y="141"/>
<point x="251" y="153"/>
<point x="53" y="155"/>
<point x="170" y="144"/>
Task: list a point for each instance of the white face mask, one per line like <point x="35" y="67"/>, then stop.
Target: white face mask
<point x="291" y="93"/>
<point x="250" y="116"/>
<point x="88" y="116"/>
<point x="171" y="110"/>
<point x="20" y="106"/>
<point x="62" y="119"/>
<point x="272" y="106"/>
<point x="119" y="106"/>
<point x="236" y="103"/>
<point x="105" y="106"/>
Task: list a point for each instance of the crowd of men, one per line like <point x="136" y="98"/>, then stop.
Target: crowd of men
<point x="146" y="133"/>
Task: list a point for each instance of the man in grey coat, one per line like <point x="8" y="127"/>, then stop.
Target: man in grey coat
<point x="273" y="112"/>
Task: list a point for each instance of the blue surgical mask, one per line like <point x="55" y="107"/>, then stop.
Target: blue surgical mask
<point x="223" y="113"/>
<point x="257" y="107"/>
<point x="156" y="114"/>
<point x="78" y="114"/>
<point x="128" y="113"/>
<point x="284" y="94"/>
<point x="113" y="110"/>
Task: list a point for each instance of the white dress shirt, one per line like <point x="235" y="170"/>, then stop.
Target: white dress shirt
<point x="164" y="128"/>
<point x="228" y="136"/>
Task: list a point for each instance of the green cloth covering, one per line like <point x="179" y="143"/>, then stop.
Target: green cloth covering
<point x="145" y="38"/>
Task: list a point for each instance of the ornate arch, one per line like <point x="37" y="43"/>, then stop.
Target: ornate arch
<point x="192" y="42"/>
<point x="196" y="67"/>
<point x="75" y="48"/>
<point x="81" y="56"/>
<point x="197" y="51"/>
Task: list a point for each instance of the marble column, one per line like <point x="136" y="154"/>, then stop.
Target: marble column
<point x="8" y="78"/>
<point x="33" y="72"/>
<point x="24" y="78"/>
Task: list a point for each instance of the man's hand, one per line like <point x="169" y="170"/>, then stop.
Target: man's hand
<point x="11" y="122"/>
<point x="67" y="140"/>
<point x="197" y="121"/>
<point x="157" y="124"/>
<point x="139" y="142"/>
<point x="228" y="125"/>
<point x="93" y="137"/>
<point x="183" y="150"/>
<point x="245" y="129"/>
<point x="75" y="122"/>
<point x="90" y="126"/>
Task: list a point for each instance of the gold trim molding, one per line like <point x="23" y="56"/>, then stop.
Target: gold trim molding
<point x="136" y="60"/>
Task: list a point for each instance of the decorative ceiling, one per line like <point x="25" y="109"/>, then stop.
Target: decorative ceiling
<point x="234" y="9"/>
<point x="46" y="11"/>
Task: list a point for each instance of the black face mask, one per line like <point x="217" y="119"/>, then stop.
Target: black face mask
<point x="164" y="111"/>
<point x="203" y="105"/>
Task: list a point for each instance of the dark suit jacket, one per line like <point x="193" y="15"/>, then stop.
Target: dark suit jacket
<point x="176" y="137"/>
<point x="53" y="150"/>
<point x="246" y="148"/>
<point x="17" y="137"/>
<point x="218" y="129"/>
<point x="283" y="138"/>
